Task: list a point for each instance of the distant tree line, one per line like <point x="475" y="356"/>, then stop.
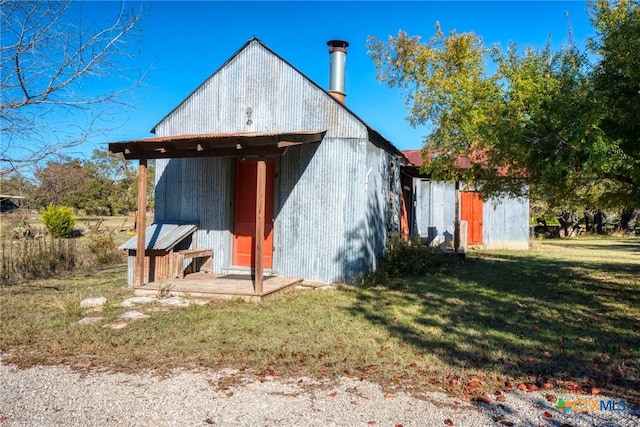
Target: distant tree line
<point x="101" y="185"/>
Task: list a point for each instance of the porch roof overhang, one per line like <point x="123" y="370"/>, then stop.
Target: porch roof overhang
<point x="245" y="144"/>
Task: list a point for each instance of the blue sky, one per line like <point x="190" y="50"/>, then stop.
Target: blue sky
<point x="185" y="42"/>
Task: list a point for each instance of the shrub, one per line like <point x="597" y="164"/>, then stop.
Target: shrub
<point x="405" y="259"/>
<point x="410" y="258"/>
<point x="104" y="248"/>
<point x="59" y="220"/>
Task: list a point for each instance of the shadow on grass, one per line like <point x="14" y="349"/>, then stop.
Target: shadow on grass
<point x="525" y="317"/>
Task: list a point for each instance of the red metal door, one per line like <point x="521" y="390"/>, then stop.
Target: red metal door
<point x="244" y="218"/>
<point x="471" y="211"/>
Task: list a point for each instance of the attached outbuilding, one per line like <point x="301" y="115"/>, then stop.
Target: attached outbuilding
<point x="277" y="175"/>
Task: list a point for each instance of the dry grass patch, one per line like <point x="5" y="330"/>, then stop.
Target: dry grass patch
<point x="566" y="314"/>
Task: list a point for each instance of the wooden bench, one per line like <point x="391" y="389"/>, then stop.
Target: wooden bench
<point x="180" y="256"/>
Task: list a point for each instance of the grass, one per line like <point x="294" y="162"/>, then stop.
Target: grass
<point x="564" y="315"/>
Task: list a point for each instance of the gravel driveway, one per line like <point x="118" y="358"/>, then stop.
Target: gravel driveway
<point x="58" y="396"/>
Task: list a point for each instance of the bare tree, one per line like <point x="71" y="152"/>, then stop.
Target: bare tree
<point x="63" y="77"/>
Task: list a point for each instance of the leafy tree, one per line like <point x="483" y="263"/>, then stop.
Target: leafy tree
<point x="113" y="184"/>
<point x="51" y="54"/>
<point x="110" y="185"/>
<point x="17" y="185"/>
<point x="548" y="116"/>
<point x="617" y="86"/>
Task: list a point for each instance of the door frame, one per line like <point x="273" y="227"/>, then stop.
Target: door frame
<point x="232" y="212"/>
<point x="477" y="201"/>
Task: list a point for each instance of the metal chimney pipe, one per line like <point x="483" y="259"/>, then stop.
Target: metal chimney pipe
<point x="338" y="55"/>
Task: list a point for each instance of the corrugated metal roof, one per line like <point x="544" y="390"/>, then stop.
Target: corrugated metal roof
<point x="414" y="156"/>
<point x="161" y="236"/>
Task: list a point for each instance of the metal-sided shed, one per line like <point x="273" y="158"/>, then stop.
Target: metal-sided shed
<point x="259" y="139"/>
<point x="495" y="223"/>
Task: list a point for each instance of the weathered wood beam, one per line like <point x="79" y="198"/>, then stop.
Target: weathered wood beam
<point x="213" y="145"/>
<point x="261" y="184"/>
<point x="266" y="151"/>
<point x="142" y="222"/>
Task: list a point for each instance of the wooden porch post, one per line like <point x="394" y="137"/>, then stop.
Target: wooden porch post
<point x="260" y="214"/>
<point x="142" y="222"/>
<point x="456" y="223"/>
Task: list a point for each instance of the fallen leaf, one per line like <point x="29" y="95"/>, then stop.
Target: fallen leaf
<point x="536" y="327"/>
<point x="497" y="392"/>
<point x="209" y="421"/>
<point x="506" y="423"/>
<point x="334" y="394"/>
<point x="522" y="387"/>
<point x="548" y="384"/>
<point x="548" y="415"/>
<point x="229" y="393"/>
<point x="448" y="422"/>
<point x="551" y="398"/>
<point x="483" y="399"/>
<point x="573" y="386"/>
<point x="372" y="423"/>
<point x="389" y="395"/>
<point x="501" y="398"/>
<point x="354" y="402"/>
<point x="533" y="387"/>
<point x="595" y="390"/>
<point x="399" y="425"/>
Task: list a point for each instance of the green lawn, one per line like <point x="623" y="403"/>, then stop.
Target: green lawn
<point x="566" y="314"/>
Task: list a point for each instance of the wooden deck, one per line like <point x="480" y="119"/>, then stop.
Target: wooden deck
<point x="219" y="286"/>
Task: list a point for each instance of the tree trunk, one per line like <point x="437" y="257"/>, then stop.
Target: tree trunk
<point x="600" y="222"/>
<point x="629" y="221"/>
<point x="589" y="220"/>
<point x="568" y="225"/>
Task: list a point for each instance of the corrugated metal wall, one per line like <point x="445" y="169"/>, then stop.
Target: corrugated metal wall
<point x="505" y="221"/>
<point x="259" y="92"/>
<point x="198" y="191"/>
<point x="435" y="212"/>
<point x="332" y="198"/>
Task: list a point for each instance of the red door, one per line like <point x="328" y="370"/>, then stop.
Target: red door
<point x="406" y="206"/>
<point x="471" y="211"/>
<point x="244" y="218"/>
